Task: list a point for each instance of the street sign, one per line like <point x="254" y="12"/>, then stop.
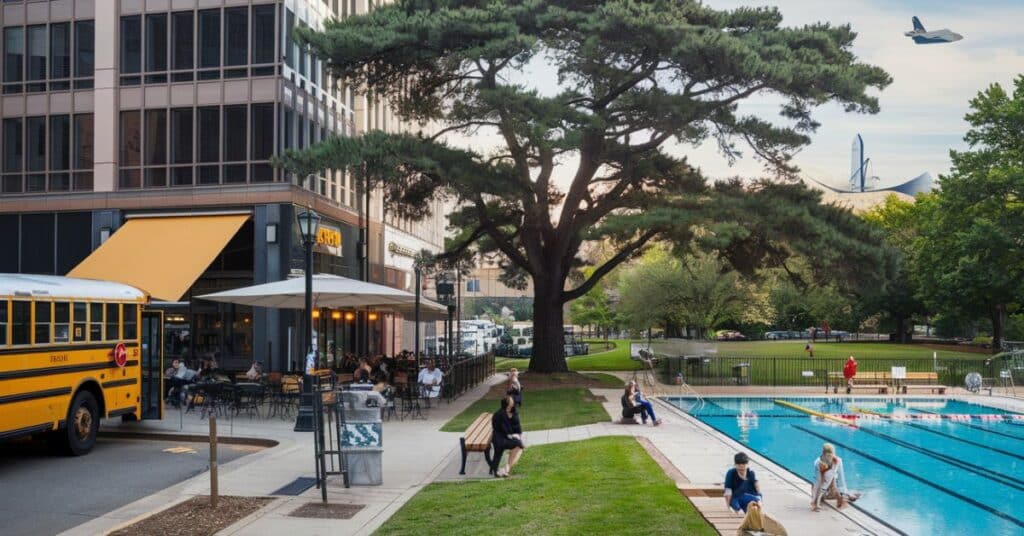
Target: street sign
<point x="120" y="355"/>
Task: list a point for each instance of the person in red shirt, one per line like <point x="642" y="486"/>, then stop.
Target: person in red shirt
<point x="849" y="371"/>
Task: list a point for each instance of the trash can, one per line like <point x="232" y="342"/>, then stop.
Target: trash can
<point x="741" y="373"/>
<point x="361" y="433"/>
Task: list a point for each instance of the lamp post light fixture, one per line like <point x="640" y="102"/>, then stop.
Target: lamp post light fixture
<point x="446" y="296"/>
<point x="309" y="225"/>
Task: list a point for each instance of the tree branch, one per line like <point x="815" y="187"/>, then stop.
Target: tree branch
<point x="604" y="269"/>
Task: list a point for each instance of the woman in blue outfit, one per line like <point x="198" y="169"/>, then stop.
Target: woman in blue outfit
<point x="507" y="434"/>
<point x="636" y="399"/>
<point x="741" y="486"/>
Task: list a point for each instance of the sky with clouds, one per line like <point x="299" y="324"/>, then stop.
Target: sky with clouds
<point x="922" y="111"/>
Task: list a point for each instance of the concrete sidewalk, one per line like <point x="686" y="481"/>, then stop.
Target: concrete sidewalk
<point x="417" y="453"/>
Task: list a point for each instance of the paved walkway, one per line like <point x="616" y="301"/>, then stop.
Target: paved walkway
<point x="416" y="453"/>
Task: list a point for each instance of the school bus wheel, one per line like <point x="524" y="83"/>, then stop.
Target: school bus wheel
<point x="82" y="424"/>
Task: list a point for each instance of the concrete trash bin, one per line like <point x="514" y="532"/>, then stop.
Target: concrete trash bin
<point x="361" y="433"/>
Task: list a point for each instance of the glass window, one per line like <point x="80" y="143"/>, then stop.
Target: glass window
<point x="83" y="141"/>
<point x="60" y="142"/>
<point x="3" y="323"/>
<point x="263" y="33"/>
<point x="61" y="322"/>
<point x="156" y="137"/>
<point x="209" y="134"/>
<point x="209" y="38"/>
<point x="85" y="48"/>
<point x="12" y="144"/>
<point x="289" y="45"/>
<point x="156" y="42"/>
<point x="95" y="322"/>
<point x="81" y="330"/>
<point x="181" y="136"/>
<point x="131" y="138"/>
<point x="36" y="53"/>
<point x="131" y="44"/>
<point x="235" y="123"/>
<point x="21" y="312"/>
<point x="42" y="322"/>
<point x="156" y="177"/>
<point x="60" y="50"/>
<point x="130" y="321"/>
<point x="35" y="143"/>
<point x="14" y="53"/>
<point x="236" y="36"/>
<point x="183" y="40"/>
<point x="113" y="320"/>
<point x="262" y="131"/>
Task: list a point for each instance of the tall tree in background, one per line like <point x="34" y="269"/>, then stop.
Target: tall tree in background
<point x="970" y="252"/>
<point x="632" y="76"/>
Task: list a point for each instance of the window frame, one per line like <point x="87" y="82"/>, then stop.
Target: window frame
<point x="36" y="324"/>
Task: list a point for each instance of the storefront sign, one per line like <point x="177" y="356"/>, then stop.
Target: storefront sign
<point x="329" y="238"/>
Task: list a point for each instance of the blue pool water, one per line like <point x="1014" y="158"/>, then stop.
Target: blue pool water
<point x="923" y="474"/>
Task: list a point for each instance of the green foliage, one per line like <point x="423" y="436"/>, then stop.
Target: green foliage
<point x="606" y="485"/>
<point x="593" y="308"/>
<point x="632" y="76"/>
<point x="969" y="253"/>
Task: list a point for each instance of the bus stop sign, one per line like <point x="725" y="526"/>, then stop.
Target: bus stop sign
<point x="120" y="355"/>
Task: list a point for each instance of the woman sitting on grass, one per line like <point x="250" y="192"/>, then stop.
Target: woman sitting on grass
<point x="507" y="434"/>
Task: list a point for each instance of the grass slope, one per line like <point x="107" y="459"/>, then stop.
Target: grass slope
<point x="606" y="485"/>
<point x="542" y="409"/>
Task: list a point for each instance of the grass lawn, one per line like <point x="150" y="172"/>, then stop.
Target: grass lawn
<point x="542" y="409"/>
<point x="608" y="381"/>
<point x="606" y="485"/>
<point x="860" y="350"/>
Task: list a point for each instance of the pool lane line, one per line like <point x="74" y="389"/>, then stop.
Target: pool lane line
<point x="943" y="489"/>
<point x="943" y="434"/>
<point x="981" y="471"/>
<point x="975" y="426"/>
<point x="802" y="409"/>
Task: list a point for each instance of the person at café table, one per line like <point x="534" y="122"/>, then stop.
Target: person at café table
<point x="430" y="380"/>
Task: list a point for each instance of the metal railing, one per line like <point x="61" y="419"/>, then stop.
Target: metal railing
<point x="807" y="371"/>
<point x="466" y="373"/>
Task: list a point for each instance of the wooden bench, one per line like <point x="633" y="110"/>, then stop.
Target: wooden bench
<point x="477" y="439"/>
<point x="873" y="380"/>
<point x="921" y="380"/>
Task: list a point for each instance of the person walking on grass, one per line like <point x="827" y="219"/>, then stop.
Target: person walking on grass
<point x="506" y="434"/>
<point x="810" y="349"/>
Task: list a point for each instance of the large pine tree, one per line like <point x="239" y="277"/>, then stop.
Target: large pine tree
<point x="633" y="75"/>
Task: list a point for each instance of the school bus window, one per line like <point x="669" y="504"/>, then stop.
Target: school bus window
<point x="61" y="322"/>
<point x="43" y="322"/>
<point x="3" y="323"/>
<point x="130" y="319"/>
<point x="95" y="322"/>
<point x="21" y="316"/>
<point x="78" y="332"/>
<point x="113" y="319"/>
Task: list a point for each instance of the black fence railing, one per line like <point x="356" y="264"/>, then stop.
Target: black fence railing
<point x="807" y="371"/>
<point x="465" y="373"/>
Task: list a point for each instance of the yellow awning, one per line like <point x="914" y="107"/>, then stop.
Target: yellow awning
<point x="162" y="256"/>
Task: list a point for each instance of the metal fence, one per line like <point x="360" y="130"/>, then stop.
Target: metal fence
<point x="464" y="374"/>
<point x="808" y="371"/>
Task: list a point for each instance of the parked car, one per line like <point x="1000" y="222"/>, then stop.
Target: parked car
<point x="726" y="335"/>
<point x="776" y="335"/>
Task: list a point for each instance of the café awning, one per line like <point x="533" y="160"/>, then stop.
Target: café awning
<point x="161" y="255"/>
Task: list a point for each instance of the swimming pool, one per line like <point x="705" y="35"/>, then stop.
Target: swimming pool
<point x="924" y="466"/>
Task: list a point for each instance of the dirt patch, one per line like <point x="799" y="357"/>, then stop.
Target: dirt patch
<point x="319" y="510"/>
<point x="195" y="517"/>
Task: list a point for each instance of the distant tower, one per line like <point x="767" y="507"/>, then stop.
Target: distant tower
<point x="858" y="166"/>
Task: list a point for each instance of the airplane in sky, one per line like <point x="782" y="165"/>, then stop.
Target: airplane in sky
<point x="924" y="37"/>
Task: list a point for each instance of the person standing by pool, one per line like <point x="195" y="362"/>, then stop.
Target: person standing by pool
<point x="741" y="487"/>
<point x="849" y="371"/>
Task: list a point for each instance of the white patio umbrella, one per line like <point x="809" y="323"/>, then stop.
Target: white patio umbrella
<point x="330" y="291"/>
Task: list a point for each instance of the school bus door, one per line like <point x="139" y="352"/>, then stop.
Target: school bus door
<point x="152" y="363"/>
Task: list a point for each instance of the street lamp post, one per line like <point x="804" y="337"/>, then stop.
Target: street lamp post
<point x="309" y="225"/>
<point x="445" y="295"/>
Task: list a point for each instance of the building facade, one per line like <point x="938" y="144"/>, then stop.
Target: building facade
<point x="152" y="118"/>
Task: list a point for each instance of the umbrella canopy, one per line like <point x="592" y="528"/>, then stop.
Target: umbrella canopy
<point x="329" y="291"/>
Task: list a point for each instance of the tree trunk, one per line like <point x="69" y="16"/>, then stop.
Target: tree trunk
<point x="997" y="328"/>
<point x="548" y="326"/>
<point x="901" y="332"/>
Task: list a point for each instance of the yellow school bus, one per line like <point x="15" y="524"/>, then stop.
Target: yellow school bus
<point x="73" y="351"/>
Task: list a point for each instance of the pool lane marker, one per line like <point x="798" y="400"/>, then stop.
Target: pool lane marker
<point x="808" y="411"/>
<point x="914" y="476"/>
<point x="936" y="432"/>
<point x="966" y="422"/>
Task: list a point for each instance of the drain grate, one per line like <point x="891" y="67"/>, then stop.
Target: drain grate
<point x="327" y="510"/>
<point x="297" y="487"/>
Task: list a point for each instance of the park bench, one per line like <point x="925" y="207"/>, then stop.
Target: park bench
<point x="870" y="380"/>
<point x="477" y="439"/>
<point x="921" y="380"/>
